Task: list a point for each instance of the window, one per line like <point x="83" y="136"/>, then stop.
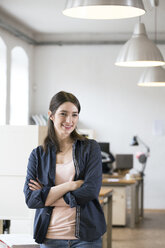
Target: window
<point x="3" y="82"/>
<point x="19" y="87"/>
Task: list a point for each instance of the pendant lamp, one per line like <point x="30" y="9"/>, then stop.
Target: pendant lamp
<point x="104" y="9"/>
<point x="153" y="76"/>
<point x="140" y="51"/>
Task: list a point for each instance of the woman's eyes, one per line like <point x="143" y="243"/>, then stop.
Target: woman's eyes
<point x="65" y="114"/>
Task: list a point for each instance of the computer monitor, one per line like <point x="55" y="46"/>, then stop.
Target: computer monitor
<point x="124" y="161"/>
<point x="104" y="146"/>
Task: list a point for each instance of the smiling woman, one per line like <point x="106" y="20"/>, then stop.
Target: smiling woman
<point x="63" y="181"/>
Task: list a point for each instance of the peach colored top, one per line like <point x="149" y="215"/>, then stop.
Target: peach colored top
<point x="62" y="223"/>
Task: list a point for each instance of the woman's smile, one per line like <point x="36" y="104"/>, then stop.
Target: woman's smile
<point x="67" y="126"/>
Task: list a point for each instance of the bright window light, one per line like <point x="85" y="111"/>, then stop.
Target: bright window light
<point x="19" y="90"/>
<point x="3" y="83"/>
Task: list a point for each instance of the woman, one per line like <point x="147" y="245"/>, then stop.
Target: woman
<point x="63" y="181"/>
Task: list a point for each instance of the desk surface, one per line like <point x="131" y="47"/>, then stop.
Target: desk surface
<point x="105" y="192"/>
<point x="123" y="176"/>
<point x="117" y="181"/>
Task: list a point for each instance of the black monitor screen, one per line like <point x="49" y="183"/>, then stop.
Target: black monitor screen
<point x="124" y="161"/>
<point x="104" y="146"/>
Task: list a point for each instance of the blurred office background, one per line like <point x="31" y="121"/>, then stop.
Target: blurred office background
<point x="53" y="52"/>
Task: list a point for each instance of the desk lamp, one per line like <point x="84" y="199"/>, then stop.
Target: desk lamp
<point x="142" y="157"/>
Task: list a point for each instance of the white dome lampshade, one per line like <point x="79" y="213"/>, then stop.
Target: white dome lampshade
<point x="153" y="77"/>
<point x="140" y="51"/>
<point x="104" y="9"/>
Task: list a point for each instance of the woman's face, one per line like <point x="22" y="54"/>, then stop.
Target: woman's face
<point x="65" y="119"/>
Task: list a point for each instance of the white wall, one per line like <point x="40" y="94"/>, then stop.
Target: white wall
<point x="112" y="103"/>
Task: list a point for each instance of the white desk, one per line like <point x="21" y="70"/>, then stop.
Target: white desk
<point x="18" y="241"/>
<point x="133" y="184"/>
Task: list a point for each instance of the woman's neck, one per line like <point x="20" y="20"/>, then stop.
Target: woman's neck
<point x="65" y="154"/>
<point x="65" y="142"/>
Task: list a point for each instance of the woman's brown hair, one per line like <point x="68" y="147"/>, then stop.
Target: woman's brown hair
<point x="58" y="99"/>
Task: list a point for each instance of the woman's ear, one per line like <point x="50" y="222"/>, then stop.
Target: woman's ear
<point x="50" y="115"/>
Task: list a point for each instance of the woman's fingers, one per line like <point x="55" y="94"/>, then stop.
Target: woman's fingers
<point x="39" y="183"/>
<point x="34" y="185"/>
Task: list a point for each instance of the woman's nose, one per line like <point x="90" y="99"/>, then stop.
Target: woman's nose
<point x="69" y="119"/>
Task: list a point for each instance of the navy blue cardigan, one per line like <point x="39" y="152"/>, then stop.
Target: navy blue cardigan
<point x="90" y="221"/>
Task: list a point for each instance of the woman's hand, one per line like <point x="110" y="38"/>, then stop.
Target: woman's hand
<point x="75" y="184"/>
<point x="35" y="185"/>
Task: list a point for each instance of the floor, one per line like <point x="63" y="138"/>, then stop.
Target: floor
<point x="148" y="233"/>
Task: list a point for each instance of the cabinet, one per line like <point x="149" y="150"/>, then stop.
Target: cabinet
<point x="119" y="206"/>
<point x="16" y="144"/>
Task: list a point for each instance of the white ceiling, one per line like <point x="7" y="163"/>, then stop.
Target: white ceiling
<point x="45" y="16"/>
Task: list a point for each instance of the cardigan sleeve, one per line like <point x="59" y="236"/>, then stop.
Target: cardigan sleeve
<point x="92" y="180"/>
<point x="37" y="198"/>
